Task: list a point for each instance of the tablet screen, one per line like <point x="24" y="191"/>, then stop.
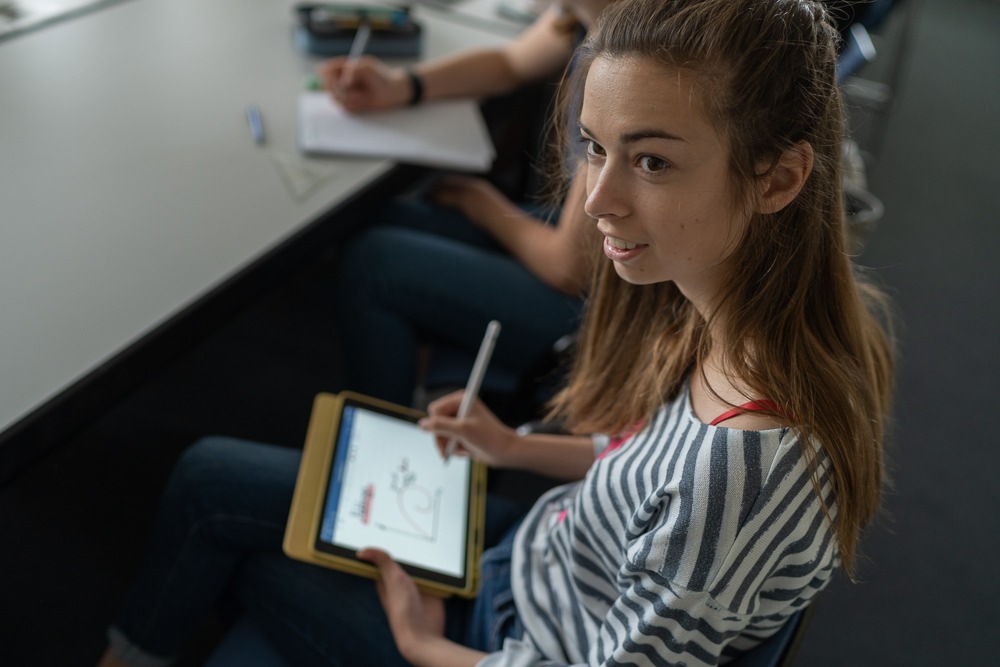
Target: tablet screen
<point x="389" y="488"/>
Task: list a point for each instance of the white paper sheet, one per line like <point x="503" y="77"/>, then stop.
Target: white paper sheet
<point x="450" y="134"/>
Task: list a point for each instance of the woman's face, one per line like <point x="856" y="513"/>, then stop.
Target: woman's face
<point x="657" y="174"/>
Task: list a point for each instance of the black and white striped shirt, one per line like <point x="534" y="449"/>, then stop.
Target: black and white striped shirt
<point x="687" y="545"/>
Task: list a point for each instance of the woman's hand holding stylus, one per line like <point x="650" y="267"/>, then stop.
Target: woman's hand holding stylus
<point x="480" y="434"/>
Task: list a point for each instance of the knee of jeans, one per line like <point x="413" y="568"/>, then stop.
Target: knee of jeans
<point x="359" y="265"/>
<point x="203" y="468"/>
<point x="396" y="211"/>
<point x="206" y="454"/>
<point x="370" y="262"/>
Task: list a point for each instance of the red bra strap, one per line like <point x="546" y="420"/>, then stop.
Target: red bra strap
<point x="751" y="406"/>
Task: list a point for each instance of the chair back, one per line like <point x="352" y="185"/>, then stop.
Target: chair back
<point x="779" y="649"/>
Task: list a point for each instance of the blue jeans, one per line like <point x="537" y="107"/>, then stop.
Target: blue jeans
<point x="219" y="529"/>
<point x="425" y="273"/>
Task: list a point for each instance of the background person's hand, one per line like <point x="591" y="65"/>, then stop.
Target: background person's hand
<point x="365" y="85"/>
<point x="473" y="197"/>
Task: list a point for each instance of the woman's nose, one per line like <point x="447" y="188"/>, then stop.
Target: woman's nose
<point x="605" y="197"/>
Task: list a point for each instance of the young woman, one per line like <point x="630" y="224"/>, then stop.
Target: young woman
<point x="729" y="329"/>
<point x="728" y="346"/>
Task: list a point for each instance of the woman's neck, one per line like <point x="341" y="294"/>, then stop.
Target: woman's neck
<point x="714" y="391"/>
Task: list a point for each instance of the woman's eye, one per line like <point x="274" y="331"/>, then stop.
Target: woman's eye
<point x="593" y="148"/>
<point x="652" y="163"/>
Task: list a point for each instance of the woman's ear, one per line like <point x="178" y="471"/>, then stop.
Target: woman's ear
<point x="786" y="178"/>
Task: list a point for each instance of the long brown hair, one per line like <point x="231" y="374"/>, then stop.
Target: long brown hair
<point x="802" y="326"/>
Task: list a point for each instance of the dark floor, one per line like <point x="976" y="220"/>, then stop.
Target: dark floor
<point x="72" y="524"/>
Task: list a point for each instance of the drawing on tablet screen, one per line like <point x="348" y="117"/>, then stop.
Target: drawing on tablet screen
<point x="418" y="505"/>
<point x="363" y="509"/>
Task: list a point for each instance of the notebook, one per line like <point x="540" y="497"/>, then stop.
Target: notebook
<point x="447" y="134"/>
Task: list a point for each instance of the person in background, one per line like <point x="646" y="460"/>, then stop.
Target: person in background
<point x="730" y="350"/>
<point x="438" y="270"/>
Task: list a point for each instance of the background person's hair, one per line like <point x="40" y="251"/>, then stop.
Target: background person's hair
<point x="799" y="321"/>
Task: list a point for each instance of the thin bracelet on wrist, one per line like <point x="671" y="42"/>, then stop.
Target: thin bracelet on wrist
<point x="416" y="87"/>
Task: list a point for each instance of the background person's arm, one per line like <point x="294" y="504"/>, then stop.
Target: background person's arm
<point x="541" y="51"/>
<point x="559" y="255"/>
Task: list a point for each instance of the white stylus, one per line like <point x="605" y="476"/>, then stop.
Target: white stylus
<point x="475" y="379"/>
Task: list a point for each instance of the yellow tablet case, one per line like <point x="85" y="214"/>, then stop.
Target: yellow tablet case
<point x="310" y="488"/>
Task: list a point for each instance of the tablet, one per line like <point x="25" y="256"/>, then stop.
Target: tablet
<point x="370" y="477"/>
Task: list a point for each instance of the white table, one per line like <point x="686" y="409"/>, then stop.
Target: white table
<point x="130" y="188"/>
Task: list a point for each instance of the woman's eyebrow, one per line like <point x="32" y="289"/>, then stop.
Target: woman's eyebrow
<point x="639" y="135"/>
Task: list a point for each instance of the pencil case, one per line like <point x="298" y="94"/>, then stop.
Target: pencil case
<point x="329" y="30"/>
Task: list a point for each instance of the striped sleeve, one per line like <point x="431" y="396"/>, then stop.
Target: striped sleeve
<point x="688" y="545"/>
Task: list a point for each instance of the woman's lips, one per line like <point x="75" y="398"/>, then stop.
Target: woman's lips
<point x="620" y="250"/>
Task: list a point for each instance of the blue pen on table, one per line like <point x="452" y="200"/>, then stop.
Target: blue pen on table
<point x="256" y="123"/>
<point x="475" y="379"/>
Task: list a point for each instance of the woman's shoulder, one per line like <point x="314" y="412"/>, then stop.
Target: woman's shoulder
<point x="731" y="498"/>
<point x="726" y="458"/>
<point x="720" y="457"/>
